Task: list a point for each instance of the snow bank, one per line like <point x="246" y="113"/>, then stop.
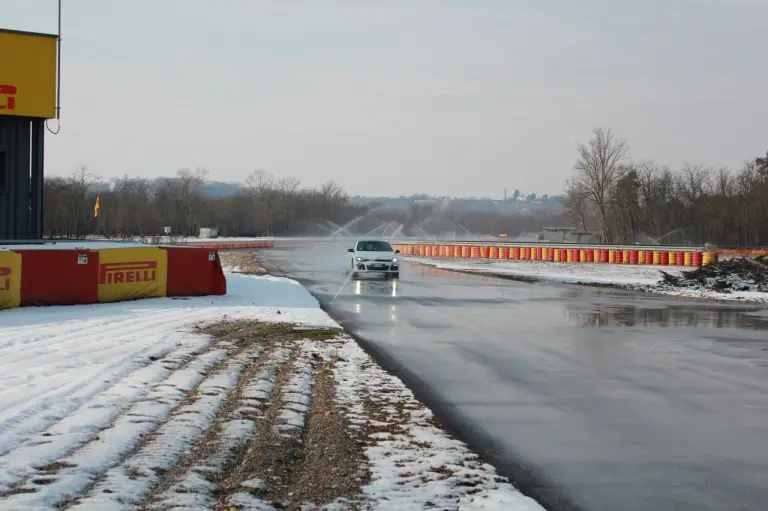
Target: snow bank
<point x="575" y="273"/>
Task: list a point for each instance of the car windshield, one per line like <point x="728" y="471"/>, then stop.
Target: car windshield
<point x="374" y="246"/>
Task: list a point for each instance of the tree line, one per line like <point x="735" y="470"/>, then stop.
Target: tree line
<point x="646" y="202"/>
<point x="625" y="202"/>
<point x="264" y="206"/>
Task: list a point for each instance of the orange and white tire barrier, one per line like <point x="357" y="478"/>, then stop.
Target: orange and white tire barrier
<point x="591" y="255"/>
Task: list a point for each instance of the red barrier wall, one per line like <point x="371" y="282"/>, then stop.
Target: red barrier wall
<point x="59" y="277"/>
<point x="194" y="271"/>
<point x="226" y="245"/>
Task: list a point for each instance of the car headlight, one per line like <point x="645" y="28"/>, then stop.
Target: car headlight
<point x="360" y="259"/>
<point x="394" y="259"/>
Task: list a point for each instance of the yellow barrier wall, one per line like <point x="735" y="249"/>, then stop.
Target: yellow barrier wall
<point x="132" y="273"/>
<point x="10" y="279"/>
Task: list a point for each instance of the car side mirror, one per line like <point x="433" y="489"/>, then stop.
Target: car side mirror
<point x="397" y="251"/>
<point x="351" y="250"/>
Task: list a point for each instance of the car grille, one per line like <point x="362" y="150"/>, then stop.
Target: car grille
<point x="378" y="266"/>
<point x="382" y="260"/>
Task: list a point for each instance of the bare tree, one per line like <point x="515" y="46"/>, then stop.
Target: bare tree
<point x="577" y="202"/>
<point x="332" y="194"/>
<point x="187" y="194"/>
<point x="261" y="186"/>
<point x="259" y="181"/>
<point x="287" y="187"/>
<point x="599" y="172"/>
<point x="82" y="180"/>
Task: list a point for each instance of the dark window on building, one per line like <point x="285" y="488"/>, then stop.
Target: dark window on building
<point x="4" y="177"/>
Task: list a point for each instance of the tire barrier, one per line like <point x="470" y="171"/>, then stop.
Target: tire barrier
<point x="42" y="277"/>
<point x="229" y="245"/>
<point x="592" y="255"/>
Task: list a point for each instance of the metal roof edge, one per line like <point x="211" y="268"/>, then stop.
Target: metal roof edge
<point x="24" y="32"/>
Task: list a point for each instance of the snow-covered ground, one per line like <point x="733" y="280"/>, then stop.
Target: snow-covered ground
<point x="574" y="273"/>
<point x="125" y="405"/>
<point x="637" y="277"/>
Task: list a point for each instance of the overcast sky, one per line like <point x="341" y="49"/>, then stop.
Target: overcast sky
<point x="391" y="97"/>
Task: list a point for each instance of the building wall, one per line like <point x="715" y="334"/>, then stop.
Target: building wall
<point x="21" y="175"/>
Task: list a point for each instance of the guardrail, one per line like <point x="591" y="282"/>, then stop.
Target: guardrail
<point x="558" y="253"/>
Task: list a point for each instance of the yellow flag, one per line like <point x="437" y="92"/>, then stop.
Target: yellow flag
<point x="96" y="207"/>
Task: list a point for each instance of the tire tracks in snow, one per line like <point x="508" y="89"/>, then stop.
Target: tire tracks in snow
<point x="59" y="396"/>
<point x="70" y="475"/>
<point x="264" y="473"/>
<point x="80" y="341"/>
<point x="50" y="394"/>
<point x="194" y="481"/>
<point x="72" y="431"/>
<point x="60" y="401"/>
<point x="131" y="480"/>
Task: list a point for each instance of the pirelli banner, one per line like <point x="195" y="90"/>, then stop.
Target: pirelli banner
<point x="132" y="273"/>
<point x="10" y="279"/>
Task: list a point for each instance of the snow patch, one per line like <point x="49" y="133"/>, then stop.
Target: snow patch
<point x="574" y="273"/>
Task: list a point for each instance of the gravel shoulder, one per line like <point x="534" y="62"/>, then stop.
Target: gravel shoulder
<point x="242" y="261"/>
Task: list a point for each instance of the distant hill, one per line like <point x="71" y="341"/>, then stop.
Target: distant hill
<point x="221" y="189"/>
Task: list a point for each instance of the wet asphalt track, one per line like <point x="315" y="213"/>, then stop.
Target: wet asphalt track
<point x="587" y="398"/>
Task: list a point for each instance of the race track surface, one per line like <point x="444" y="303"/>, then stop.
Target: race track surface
<point x="587" y="398"/>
